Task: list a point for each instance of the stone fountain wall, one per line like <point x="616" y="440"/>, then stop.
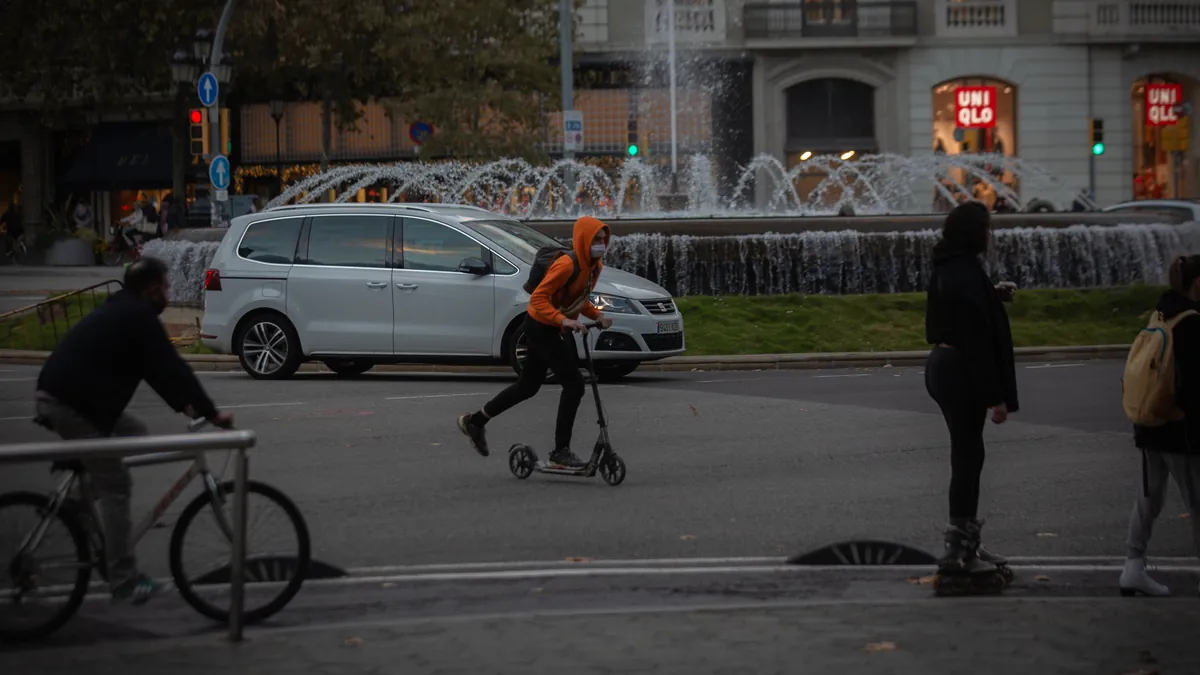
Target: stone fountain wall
<point x="845" y="262"/>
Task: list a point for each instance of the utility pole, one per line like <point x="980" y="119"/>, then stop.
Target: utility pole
<point x="214" y="111"/>
<point x="671" y="59"/>
<point x="566" y="30"/>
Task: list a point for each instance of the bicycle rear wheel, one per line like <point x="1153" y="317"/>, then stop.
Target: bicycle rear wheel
<point x="28" y="590"/>
<point x="272" y="579"/>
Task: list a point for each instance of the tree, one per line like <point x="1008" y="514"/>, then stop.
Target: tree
<point x="480" y="71"/>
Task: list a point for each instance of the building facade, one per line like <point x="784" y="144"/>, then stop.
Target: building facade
<point x="831" y="76"/>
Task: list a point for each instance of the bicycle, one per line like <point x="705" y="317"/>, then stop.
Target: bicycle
<point x="14" y="247"/>
<point x="78" y="514"/>
<point x="119" y="251"/>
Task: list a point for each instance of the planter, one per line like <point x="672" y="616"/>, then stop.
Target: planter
<point x="73" y="252"/>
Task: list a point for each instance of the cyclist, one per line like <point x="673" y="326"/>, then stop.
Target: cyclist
<point x="89" y="379"/>
<point x="554" y="308"/>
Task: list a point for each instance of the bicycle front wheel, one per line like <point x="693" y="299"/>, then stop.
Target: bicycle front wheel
<point x="43" y="582"/>
<point x="273" y="572"/>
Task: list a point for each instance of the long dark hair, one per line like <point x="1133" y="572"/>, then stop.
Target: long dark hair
<point x="1185" y="269"/>
<point x="965" y="231"/>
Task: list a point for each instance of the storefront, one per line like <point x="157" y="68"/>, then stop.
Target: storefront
<point x="1163" y="164"/>
<point x="975" y="115"/>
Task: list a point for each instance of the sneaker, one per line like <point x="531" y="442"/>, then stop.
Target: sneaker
<point x="137" y="590"/>
<point x="1135" y="580"/>
<point x="475" y="433"/>
<point x="565" y="459"/>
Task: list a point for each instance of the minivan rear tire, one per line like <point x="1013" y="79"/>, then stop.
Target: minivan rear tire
<point x="267" y="326"/>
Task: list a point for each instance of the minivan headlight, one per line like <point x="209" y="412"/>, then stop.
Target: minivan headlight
<point x="613" y="304"/>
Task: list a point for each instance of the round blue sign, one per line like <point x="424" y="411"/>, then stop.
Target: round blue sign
<point x="420" y="132"/>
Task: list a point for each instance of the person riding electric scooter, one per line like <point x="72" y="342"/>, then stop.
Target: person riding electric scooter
<point x="556" y="300"/>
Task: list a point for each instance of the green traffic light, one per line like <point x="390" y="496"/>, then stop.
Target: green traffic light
<point x="1098" y="149"/>
<point x="633" y="150"/>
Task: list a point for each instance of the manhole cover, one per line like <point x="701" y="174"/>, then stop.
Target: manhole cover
<point x="864" y="552"/>
<point x="261" y="569"/>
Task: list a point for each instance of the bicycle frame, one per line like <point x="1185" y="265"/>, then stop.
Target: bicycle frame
<point x="62" y="495"/>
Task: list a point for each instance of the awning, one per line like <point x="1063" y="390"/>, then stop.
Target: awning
<point x="123" y="157"/>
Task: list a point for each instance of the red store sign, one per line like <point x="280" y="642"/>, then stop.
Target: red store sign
<point x="1161" y="100"/>
<point x="975" y="107"/>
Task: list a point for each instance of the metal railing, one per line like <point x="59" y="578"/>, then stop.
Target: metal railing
<point x="831" y="19"/>
<point x="40" y="326"/>
<point x="160" y="449"/>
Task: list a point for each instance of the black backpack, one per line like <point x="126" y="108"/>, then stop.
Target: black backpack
<point x="542" y="261"/>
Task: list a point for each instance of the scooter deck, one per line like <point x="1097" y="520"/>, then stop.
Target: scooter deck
<point x="542" y="467"/>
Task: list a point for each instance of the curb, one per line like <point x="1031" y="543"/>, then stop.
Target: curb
<point x="749" y="362"/>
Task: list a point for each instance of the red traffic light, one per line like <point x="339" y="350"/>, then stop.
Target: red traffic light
<point x="196" y="117"/>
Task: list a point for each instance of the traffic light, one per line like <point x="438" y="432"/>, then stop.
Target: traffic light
<point x="198" y="131"/>
<point x="1097" y="128"/>
<point x="633" y="137"/>
<point x="226" y="147"/>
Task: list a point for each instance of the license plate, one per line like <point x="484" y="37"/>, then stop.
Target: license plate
<point x="668" y="327"/>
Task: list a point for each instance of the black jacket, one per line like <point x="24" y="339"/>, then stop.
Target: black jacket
<point x="963" y="310"/>
<point x="101" y="361"/>
<point x="1179" y="437"/>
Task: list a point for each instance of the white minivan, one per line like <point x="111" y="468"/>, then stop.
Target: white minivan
<point x="354" y="285"/>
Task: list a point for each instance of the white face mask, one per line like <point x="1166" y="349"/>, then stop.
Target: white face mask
<point x="598" y="251"/>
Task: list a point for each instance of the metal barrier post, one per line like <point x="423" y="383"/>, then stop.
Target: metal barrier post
<point x="237" y="577"/>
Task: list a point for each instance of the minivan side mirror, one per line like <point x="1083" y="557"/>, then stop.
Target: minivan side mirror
<point x="474" y="266"/>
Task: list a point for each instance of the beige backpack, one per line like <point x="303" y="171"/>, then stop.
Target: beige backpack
<point x="1148" y="385"/>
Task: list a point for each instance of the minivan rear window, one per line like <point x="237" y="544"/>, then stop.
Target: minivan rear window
<point x="271" y="241"/>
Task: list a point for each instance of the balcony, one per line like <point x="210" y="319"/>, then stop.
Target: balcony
<point x="976" y="18"/>
<point x="1123" y="20"/>
<point x="876" y="21"/>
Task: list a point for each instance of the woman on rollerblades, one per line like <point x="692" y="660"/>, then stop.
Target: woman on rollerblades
<point x="970" y="371"/>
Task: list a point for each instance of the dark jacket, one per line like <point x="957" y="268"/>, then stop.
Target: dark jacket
<point x="1179" y="437"/>
<point x="101" y="361"/>
<point x="963" y="310"/>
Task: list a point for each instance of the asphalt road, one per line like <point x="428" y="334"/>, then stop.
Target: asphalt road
<point x="720" y="464"/>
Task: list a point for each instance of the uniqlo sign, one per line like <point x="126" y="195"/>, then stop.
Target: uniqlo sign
<point x="975" y="107"/>
<point x="1161" y="100"/>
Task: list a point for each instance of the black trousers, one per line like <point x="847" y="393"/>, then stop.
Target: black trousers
<point x="948" y="383"/>
<point x="549" y="347"/>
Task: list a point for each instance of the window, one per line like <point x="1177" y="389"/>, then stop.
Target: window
<point x="348" y="241"/>
<point x="500" y="265"/>
<point x="433" y="247"/>
<point x="271" y="241"/>
<point x="514" y="237"/>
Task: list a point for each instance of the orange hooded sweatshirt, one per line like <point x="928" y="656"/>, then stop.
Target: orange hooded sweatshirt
<point x="549" y="300"/>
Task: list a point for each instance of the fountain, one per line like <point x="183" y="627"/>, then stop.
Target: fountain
<point x="884" y="184"/>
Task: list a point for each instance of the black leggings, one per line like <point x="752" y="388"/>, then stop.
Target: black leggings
<point x="947" y="381"/>
<point x="549" y="347"/>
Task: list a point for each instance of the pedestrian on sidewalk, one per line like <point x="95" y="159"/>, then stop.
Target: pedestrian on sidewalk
<point x="552" y="317"/>
<point x="970" y="370"/>
<point x="1171" y="448"/>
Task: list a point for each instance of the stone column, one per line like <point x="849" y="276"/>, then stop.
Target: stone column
<point x="37" y="188"/>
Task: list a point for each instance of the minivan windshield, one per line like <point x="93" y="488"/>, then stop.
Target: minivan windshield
<point x="513" y="236"/>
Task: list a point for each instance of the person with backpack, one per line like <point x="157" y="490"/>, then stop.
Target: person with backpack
<point x="970" y="370"/>
<point x="1160" y="392"/>
<point x="560" y="286"/>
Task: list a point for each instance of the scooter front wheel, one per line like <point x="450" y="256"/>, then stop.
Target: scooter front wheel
<point x="521" y="461"/>
<point x="612" y="470"/>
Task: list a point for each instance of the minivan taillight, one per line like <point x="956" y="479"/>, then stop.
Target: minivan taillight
<point x="212" y="280"/>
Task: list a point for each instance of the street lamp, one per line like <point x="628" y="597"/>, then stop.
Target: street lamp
<point x="183" y="68"/>
<point x="277" y="115"/>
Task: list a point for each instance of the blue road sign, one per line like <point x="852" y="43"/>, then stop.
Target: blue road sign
<point x="207" y="88"/>
<point x="420" y="132"/>
<point x="218" y="172"/>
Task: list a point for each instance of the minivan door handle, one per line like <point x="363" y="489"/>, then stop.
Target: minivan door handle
<point x="376" y="284"/>
<point x="407" y="287"/>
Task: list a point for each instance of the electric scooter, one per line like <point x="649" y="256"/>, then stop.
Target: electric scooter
<point x="523" y="461"/>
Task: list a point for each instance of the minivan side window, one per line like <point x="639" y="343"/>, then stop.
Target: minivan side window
<point x="433" y="247"/>
<point x="348" y="241"/>
<point x="271" y="241"/>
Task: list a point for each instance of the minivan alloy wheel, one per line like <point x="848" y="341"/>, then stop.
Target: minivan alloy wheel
<point x="265" y="347"/>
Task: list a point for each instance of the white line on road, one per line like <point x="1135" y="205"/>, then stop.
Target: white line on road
<point x="260" y="405"/>
<point x="15" y="419"/>
<point x="17" y="379"/>
<point x="413" y="398"/>
<point x="732" y="379"/>
<point x="1055" y="365"/>
<point x="828" y="377"/>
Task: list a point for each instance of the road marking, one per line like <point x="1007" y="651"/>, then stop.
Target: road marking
<point x="259" y="405"/>
<point x="14" y="419"/>
<point x="17" y="379"/>
<point x="732" y="379"/>
<point x="1055" y="365"/>
<point x="414" y="398"/>
<point x="827" y="377"/>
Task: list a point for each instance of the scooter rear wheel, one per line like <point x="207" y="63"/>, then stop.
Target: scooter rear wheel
<point x="521" y="461"/>
<point x="612" y="470"/>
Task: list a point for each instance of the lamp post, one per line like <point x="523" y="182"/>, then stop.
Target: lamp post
<point x="184" y="71"/>
<point x="277" y="115"/>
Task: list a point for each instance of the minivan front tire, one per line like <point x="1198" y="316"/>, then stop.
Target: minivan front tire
<point x="268" y="347"/>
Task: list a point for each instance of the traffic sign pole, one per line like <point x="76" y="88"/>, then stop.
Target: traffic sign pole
<point x="214" y="120"/>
